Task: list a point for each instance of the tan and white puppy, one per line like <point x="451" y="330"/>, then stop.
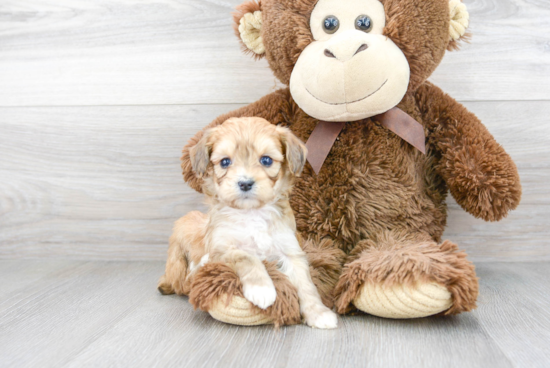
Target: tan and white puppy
<point x="248" y="166"/>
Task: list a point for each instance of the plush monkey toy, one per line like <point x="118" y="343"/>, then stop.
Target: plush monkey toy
<point x="385" y="147"/>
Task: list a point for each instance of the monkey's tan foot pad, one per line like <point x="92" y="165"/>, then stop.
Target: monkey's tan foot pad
<point x="239" y="312"/>
<point x="403" y="302"/>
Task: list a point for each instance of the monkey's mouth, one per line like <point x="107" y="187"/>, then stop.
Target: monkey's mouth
<point x="350" y="102"/>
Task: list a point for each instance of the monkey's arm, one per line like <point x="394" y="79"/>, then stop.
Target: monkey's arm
<point x="480" y="175"/>
<point x="270" y="107"/>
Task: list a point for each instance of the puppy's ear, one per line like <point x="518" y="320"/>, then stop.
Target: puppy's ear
<point x="295" y="151"/>
<point x="199" y="154"/>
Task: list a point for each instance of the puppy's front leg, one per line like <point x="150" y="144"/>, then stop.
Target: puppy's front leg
<point x="258" y="287"/>
<point x="315" y="313"/>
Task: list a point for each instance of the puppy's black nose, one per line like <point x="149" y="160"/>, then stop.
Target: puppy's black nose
<point x="246" y="185"/>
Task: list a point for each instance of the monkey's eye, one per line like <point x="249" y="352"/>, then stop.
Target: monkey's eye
<point x="363" y="23"/>
<point x="225" y="163"/>
<point x="266" y="161"/>
<point x="331" y="24"/>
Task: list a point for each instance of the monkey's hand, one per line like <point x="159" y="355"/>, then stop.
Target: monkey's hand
<point x="481" y="176"/>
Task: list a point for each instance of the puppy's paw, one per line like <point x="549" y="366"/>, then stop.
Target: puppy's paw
<point x="262" y="296"/>
<point x="321" y="318"/>
<point x="164" y="287"/>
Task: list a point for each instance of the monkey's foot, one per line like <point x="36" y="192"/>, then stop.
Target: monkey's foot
<point x="406" y="278"/>
<point x="238" y="312"/>
<point x="217" y="290"/>
<point x="400" y="301"/>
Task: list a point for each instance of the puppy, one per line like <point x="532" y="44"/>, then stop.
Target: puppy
<point x="248" y="166"/>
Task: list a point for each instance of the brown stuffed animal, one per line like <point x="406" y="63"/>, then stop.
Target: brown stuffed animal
<point x="373" y="216"/>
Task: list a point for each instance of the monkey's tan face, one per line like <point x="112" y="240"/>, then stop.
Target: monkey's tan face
<point x="247" y="166"/>
<point x="351" y="71"/>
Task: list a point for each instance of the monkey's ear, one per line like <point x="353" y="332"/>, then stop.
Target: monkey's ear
<point x="248" y="27"/>
<point x="459" y="22"/>
<point x="295" y="151"/>
<point x="199" y="154"/>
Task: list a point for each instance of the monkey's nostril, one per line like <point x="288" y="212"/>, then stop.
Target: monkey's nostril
<point x="246" y="185"/>
<point x="363" y="47"/>
<point x="329" y="54"/>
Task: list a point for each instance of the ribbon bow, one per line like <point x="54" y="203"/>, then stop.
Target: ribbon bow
<point x="324" y="135"/>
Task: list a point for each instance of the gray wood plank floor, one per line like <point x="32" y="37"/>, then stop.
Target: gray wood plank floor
<point x="108" y="314"/>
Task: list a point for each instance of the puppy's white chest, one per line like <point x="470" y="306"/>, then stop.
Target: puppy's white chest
<point x="256" y="235"/>
<point x="256" y="232"/>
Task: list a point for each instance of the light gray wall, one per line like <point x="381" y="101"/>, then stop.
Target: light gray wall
<point x="98" y="97"/>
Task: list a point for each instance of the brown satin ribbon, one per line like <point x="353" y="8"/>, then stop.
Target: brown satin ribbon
<point x="324" y="135"/>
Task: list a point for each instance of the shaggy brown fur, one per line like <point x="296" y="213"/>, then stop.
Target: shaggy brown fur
<point x="216" y="280"/>
<point x="373" y="182"/>
<point x="325" y="266"/>
<point x="481" y="176"/>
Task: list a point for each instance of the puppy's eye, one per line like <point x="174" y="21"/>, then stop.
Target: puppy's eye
<point x="266" y="161"/>
<point x="225" y="163"/>
<point x="331" y="24"/>
<point x="363" y="23"/>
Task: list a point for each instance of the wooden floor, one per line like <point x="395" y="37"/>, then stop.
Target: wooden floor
<point x="108" y="314"/>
